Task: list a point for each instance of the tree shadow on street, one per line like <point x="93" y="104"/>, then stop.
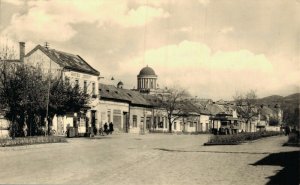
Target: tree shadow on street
<point x="289" y="161"/>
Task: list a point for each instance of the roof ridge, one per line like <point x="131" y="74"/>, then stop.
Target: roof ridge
<point x="74" y="62"/>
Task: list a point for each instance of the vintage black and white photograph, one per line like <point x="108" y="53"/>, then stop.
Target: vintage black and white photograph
<point x="150" y="92"/>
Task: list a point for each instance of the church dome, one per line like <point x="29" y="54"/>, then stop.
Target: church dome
<point x="147" y="71"/>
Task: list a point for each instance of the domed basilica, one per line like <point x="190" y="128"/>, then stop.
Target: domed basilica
<point x="146" y="80"/>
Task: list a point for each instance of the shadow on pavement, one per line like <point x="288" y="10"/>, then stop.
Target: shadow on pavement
<point x="289" y="161"/>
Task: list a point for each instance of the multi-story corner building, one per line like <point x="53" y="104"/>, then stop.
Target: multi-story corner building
<point x="75" y="70"/>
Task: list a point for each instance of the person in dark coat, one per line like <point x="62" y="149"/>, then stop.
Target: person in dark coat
<point x="105" y="128"/>
<point x="287" y="130"/>
<point x="111" y="127"/>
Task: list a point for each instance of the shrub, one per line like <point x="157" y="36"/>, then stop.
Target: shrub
<point x="239" y="138"/>
<point x="31" y="140"/>
<point x="294" y="138"/>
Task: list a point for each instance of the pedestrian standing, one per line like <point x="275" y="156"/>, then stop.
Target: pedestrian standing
<point x="111" y="127"/>
<point x="287" y="130"/>
<point x="105" y="128"/>
<point x="25" y="129"/>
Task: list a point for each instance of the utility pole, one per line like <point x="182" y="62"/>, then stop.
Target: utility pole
<point x="48" y="94"/>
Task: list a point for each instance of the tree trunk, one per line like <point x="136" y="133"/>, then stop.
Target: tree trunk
<point x="13" y="132"/>
<point x="13" y="128"/>
<point x="170" y="125"/>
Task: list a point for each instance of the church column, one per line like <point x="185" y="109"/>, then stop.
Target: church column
<point x="143" y="83"/>
<point x="147" y="83"/>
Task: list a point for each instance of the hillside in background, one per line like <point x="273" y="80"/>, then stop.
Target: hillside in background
<point x="293" y="99"/>
<point x="290" y="105"/>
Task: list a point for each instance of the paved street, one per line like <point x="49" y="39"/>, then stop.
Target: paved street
<point x="142" y="159"/>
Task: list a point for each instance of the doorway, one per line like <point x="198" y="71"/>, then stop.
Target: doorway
<point x="93" y="121"/>
<point x="125" y="122"/>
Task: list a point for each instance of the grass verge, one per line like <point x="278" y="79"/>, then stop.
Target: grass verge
<point x="31" y="140"/>
<point x="238" y="138"/>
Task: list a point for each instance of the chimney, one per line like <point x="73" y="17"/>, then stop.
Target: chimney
<point x="22" y="51"/>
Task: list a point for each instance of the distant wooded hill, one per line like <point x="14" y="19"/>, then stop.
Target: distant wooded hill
<point x="290" y="105"/>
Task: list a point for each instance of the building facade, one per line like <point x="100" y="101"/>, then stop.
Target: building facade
<point x="75" y="70"/>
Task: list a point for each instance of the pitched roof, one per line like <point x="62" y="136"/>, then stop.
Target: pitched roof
<point x="190" y="108"/>
<point x="215" y="108"/>
<point x="66" y="60"/>
<point x="110" y="92"/>
<point x="201" y="105"/>
<point x="266" y="111"/>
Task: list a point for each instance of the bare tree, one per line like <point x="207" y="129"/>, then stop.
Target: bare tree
<point x="172" y="102"/>
<point x="246" y="105"/>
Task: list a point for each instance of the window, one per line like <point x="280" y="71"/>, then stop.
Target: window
<point x="109" y="116"/>
<point x="84" y="86"/>
<point x="161" y="124"/>
<point x="148" y="122"/>
<point x="117" y="111"/>
<point x="134" y="121"/>
<point x="93" y="88"/>
<point x="76" y="82"/>
<point x="174" y="125"/>
<point x="166" y="122"/>
<point x="67" y="80"/>
<point x="191" y="124"/>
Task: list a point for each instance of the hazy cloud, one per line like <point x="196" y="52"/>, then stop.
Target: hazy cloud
<point x="197" y="68"/>
<point x="204" y="2"/>
<point x="213" y="48"/>
<point x="226" y="30"/>
<point x="54" y="19"/>
<point x="14" y="2"/>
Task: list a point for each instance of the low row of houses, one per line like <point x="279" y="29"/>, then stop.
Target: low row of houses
<point x="133" y="111"/>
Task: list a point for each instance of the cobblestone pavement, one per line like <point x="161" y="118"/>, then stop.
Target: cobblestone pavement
<point x="141" y="159"/>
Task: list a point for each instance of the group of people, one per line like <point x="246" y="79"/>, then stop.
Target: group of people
<point x="288" y="130"/>
<point x="108" y="128"/>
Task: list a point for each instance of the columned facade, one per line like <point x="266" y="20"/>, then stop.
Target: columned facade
<point x="146" y="79"/>
<point x="146" y="83"/>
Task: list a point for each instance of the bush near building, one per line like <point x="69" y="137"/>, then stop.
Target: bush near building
<point x="294" y="139"/>
<point x="239" y="138"/>
<point x="31" y="140"/>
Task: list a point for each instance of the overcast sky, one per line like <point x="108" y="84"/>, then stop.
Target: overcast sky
<point x="211" y="47"/>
